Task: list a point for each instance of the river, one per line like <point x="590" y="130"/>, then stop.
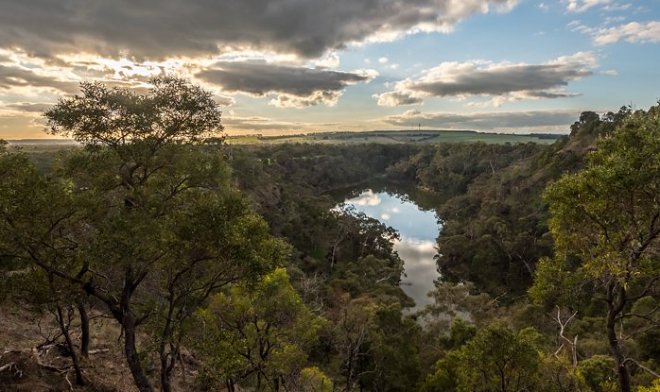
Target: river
<point x="418" y="229"/>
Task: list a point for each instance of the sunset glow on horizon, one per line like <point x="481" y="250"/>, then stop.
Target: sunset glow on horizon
<point x="282" y="66"/>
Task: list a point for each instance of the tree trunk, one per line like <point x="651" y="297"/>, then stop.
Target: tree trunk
<point x="614" y="308"/>
<point x="165" y="383"/>
<point x="69" y="343"/>
<point x="130" y="350"/>
<point x="166" y="372"/>
<point x="84" y="330"/>
<point x="167" y="358"/>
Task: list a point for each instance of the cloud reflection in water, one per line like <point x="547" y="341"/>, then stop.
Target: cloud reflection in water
<point x="418" y="229"/>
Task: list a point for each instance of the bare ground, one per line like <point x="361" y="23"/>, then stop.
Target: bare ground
<point x="27" y="364"/>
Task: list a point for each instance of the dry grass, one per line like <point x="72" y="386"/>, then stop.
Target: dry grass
<point x="47" y="369"/>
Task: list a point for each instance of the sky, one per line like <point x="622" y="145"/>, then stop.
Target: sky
<point x="294" y="66"/>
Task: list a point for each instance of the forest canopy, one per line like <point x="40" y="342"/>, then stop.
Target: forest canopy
<point x="227" y="267"/>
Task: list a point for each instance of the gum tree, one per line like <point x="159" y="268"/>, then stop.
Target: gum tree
<point x="163" y="228"/>
<point x="606" y="226"/>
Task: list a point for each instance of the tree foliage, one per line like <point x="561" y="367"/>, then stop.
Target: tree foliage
<point x="258" y="335"/>
<point x="144" y="219"/>
<point x="605" y="220"/>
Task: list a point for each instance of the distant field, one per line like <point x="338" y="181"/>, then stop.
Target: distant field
<point x="396" y="137"/>
<point x="38" y="146"/>
<point x="380" y="137"/>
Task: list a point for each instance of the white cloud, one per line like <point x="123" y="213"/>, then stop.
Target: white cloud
<point x="578" y="6"/>
<point x="367" y="198"/>
<point x="583" y="5"/>
<point x="329" y="60"/>
<point x="633" y="32"/>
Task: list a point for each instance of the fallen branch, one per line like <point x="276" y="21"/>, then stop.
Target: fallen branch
<point x="66" y="377"/>
<point x="642" y="367"/>
<point x="98" y="351"/>
<point x="46" y="365"/>
<point x="11" y="365"/>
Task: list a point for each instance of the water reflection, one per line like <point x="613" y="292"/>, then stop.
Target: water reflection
<point x="418" y="230"/>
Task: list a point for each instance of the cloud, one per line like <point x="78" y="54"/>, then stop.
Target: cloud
<point x="479" y="78"/>
<point x="14" y="76"/>
<point x="485" y="121"/>
<point x="633" y="32"/>
<point x="583" y="5"/>
<point x="28" y="107"/>
<point x="578" y="6"/>
<point x="294" y="86"/>
<point x="224" y="100"/>
<point x="257" y="123"/>
<point x="397" y="98"/>
<point x="366" y="198"/>
<point x="20" y="126"/>
<point x="163" y="28"/>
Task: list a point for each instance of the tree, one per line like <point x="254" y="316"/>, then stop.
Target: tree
<point x="598" y="373"/>
<point x="40" y="229"/>
<point x="154" y="227"/>
<point x="391" y="362"/>
<point x="495" y="359"/>
<point x="257" y="333"/>
<point x="312" y="379"/>
<point x="605" y="220"/>
<point x="353" y="321"/>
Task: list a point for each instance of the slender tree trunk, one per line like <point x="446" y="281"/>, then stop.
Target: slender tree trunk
<point x="166" y="371"/>
<point x="349" y="372"/>
<point x="167" y="358"/>
<point x="614" y="308"/>
<point x="230" y="385"/>
<point x="120" y="311"/>
<point x="84" y="329"/>
<point x="69" y="343"/>
<point x="165" y="383"/>
<point x="132" y="358"/>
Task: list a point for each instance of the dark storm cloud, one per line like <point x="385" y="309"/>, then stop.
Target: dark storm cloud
<point x="260" y="78"/>
<point x="484" y="121"/>
<point x="160" y="28"/>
